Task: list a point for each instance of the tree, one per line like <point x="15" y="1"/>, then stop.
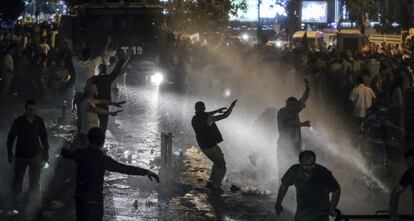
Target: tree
<point x="291" y="23"/>
<point x="195" y="15"/>
<point x="192" y="15"/>
<point x="360" y="11"/>
<point x="405" y="14"/>
<point x="11" y="9"/>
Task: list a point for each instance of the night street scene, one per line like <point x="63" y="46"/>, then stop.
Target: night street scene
<point x="188" y="110"/>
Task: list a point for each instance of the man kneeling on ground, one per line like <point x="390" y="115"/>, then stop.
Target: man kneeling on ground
<point x="91" y="165"/>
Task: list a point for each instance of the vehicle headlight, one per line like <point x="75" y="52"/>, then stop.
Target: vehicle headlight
<point x="157" y="79"/>
<point x="245" y="36"/>
<point x="279" y="44"/>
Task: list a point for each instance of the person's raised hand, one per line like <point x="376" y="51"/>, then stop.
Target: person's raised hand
<point x="222" y="110"/>
<point x="233" y="104"/>
<point x="119" y="104"/>
<point x="152" y="175"/>
<point x="278" y="209"/>
<point x="114" y="113"/>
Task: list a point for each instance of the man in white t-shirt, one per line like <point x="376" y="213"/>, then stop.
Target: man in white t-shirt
<point x="89" y="109"/>
<point x="362" y="98"/>
<point x="85" y="67"/>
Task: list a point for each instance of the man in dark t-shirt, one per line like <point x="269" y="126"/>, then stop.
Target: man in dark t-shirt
<point x="314" y="183"/>
<point x="91" y="165"/>
<point x="406" y="180"/>
<point x="208" y="137"/>
<point x="31" y="149"/>
<point x="104" y="84"/>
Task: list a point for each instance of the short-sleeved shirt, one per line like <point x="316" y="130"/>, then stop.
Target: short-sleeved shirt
<point x="312" y="193"/>
<point x="207" y="132"/>
<point x="408" y="180"/>
<point x="84" y="70"/>
<point x="287" y="121"/>
<point x="362" y="97"/>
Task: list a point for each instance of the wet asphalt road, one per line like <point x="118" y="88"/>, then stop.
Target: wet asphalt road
<point x="134" y="138"/>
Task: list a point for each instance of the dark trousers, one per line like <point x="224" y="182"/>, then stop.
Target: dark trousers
<point x="76" y="102"/>
<point x="88" y="210"/>
<point x="219" y="165"/>
<point x="103" y="119"/>
<point x="20" y="167"/>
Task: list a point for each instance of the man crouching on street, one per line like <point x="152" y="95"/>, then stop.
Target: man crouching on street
<point x="314" y="183"/>
<point x="91" y="165"/>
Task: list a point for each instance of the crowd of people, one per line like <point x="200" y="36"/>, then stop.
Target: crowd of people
<point x="33" y="65"/>
<point x="93" y="79"/>
<point x="378" y="81"/>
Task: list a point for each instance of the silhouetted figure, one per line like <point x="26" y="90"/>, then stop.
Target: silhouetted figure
<point x="32" y="148"/>
<point x="376" y="126"/>
<point x="289" y="126"/>
<point x="263" y="130"/>
<point x="208" y="137"/>
<point x="406" y="180"/>
<point x="314" y="183"/>
<point x="91" y="165"/>
<point x="104" y="84"/>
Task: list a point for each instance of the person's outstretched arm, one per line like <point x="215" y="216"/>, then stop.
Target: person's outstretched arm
<point x="106" y="46"/>
<point x="220" y="110"/>
<point x="225" y="114"/>
<point x="10" y="141"/>
<point x="280" y="196"/>
<point x="117" y="70"/>
<point x="334" y="202"/>
<point x="306" y="94"/>
<point x="122" y="62"/>
<point x="44" y="140"/>
<point x="114" y="166"/>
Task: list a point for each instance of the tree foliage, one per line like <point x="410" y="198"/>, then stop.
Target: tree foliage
<point x="361" y="10"/>
<point x="11" y="9"/>
<point x="190" y="14"/>
<point x="291" y="23"/>
<point x="202" y="14"/>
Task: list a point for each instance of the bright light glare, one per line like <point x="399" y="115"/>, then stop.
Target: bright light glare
<point x="278" y="44"/>
<point x="157" y="79"/>
<point x="227" y="93"/>
<point x="245" y="36"/>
